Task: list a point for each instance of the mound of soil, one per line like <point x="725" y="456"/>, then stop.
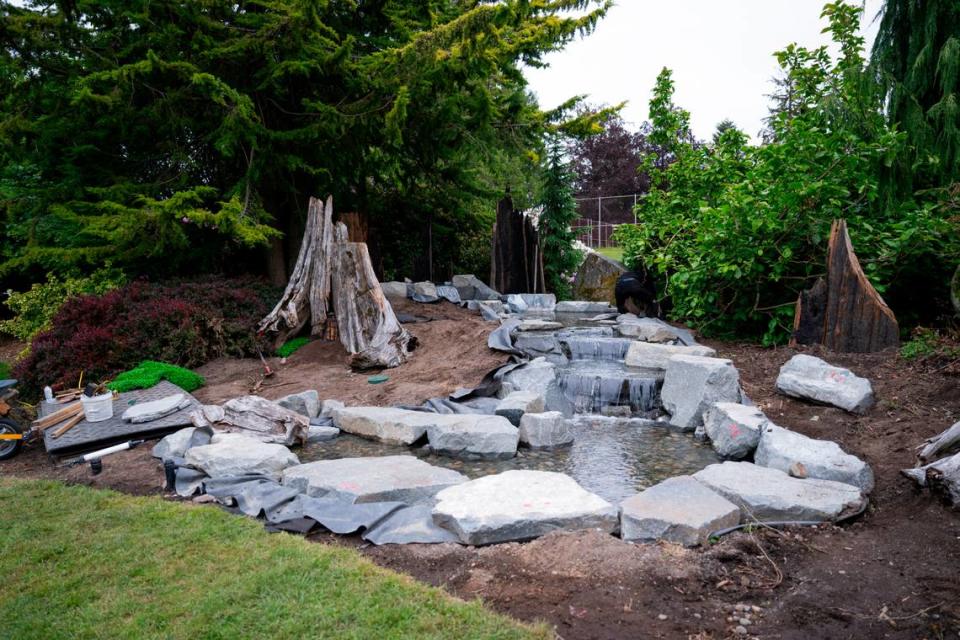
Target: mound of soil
<point x="893" y="573"/>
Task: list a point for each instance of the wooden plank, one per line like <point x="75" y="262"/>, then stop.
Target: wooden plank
<point x="69" y="424"/>
<point x="58" y="416"/>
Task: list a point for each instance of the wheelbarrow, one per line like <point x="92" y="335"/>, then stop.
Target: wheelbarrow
<point x="12" y="435"/>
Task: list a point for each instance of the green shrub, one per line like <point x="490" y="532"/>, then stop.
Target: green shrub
<point x="34" y="309"/>
<point x="290" y="346"/>
<point x="926" y="343"/>
<point x="149" y="373"/>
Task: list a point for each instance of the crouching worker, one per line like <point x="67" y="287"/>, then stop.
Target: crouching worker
<point x="636" y="293"/>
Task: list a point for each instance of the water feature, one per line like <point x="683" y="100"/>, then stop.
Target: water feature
<point x="614" y="458"/>
<point x="591" y="385"/>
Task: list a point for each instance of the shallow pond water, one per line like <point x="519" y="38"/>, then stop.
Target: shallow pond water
<point x="614" y="458"/>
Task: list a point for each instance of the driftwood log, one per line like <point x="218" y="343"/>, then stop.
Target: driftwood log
<point x="516" y="264"/>
<point x="368" y="327"/>
<point x="256" y="417"/>
<point x="942" y="476"/>
<point x="845" y="313"/>
<point x="308" y="289"/>
<point x="940" y="444"/>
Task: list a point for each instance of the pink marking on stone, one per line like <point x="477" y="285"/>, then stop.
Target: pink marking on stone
<point x="734" y="429"/>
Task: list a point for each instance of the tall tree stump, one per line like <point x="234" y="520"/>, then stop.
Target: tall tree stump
<point x="516" y="264"/>
<point x="846" y="314"/>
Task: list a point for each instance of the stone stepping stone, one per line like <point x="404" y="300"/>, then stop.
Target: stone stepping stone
<point x="155" y="409"/>
<point x="534" y="324"/>
<point x="385" y="424"/>
<point x="536" y="375"/>
<point x="649" y="355"/>
<point x="583" y="306"/>
<point x="692" y="384"/>
<point x="473" y="437"/>
<point x="771" y="495"/>
<point x="809" y="378"/>
<point x="518" y="403"/>
<point x="545" y="430"/>
<point x="734" y="429"/>
<point x="679" y="510"/>
<point x="375" y="479"/>
<point x="520" y="505"/>
<point x="233" y="454"/>
<point x="781" y="448"/>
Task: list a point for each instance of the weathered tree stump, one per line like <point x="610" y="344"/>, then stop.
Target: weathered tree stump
<point x="368" y="327"/>
<point x="844" y="314"/>
<point x="940" y="444"/>
<point x="942" y="476"/>
<point x="516" y="264"/>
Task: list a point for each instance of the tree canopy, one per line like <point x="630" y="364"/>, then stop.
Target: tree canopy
<point x="170" y="135"/>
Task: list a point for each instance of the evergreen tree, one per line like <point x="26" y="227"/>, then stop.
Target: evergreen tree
<point x="171" y="135"/>
<point x="560" y="257"/>
<point x="916" y="57"/>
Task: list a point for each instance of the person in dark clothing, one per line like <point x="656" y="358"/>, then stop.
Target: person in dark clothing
<point x="636" y="293"/>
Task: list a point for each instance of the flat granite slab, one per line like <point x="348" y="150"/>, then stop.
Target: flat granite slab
<point x="376" y="479"/>
<point x="89" y="436"/>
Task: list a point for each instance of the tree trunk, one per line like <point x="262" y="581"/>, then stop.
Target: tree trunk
<point x="847" y="314"/>
<point x="368" y="327"/>
<point x="276" y="262"/>
<point x="320" y="278"/>
<point x="940" y="444"/>
<point x="942" y="476"/>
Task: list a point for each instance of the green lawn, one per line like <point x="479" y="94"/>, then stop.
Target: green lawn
<point x="612" y="252"/>
<point x="82" y="563"/>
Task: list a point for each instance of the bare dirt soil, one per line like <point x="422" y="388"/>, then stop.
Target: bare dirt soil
<point x="893" y="573"/>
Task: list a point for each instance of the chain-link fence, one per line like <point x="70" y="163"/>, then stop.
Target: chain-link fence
<point x="601" y="215"/>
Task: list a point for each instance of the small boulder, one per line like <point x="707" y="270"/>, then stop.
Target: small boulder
<point x="782" y="449"/>
<point x="319" y="433"/>
<point x="176" y="444"/>
<point x="810" y="378"/>
<point x="374" y="479"/>
<point x="473" y="436"/>
<point x="472" y="288"/>
<point x="545" y="430"/>
<point x="536" y="375"/>
<point x="520" y="505"/>
<point x="692" y="384"/>
<point x="679" y="510"/>
<point x="648" y="330"/>
<point x="425" y="292"/>
<point x="596" y="278"/>
<point x="647" y="355"/>
<point x="394" y="290"/>
<point x="305" y="402"/>
<point x="518" y="403"/>
<point x="329" y="406"/>
<point x="233" y="454"/>
<point x="734" y="429"/>
<point x="771" y="495"/>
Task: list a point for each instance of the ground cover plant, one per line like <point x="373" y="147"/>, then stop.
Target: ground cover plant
<point x="81" y="563"/>
<point x="148" y="373"/>
<point x="186" y="323"/>
<point x="290" y="347"/>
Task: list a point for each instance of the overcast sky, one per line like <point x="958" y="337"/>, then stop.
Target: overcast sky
<point x="720" y="51"/>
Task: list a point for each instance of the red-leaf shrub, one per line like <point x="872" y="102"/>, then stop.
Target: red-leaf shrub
<point x="186" y="323"/>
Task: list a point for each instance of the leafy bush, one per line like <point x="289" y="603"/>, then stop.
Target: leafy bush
<point x="737" y="230"/>
<point x="185" y="323"/>
<point x="290" y="346"/>
<point x="33" y="309"/>
<point x="149" y="373"/>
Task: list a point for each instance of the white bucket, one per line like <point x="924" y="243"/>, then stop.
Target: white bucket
<point x="97" y="408"/>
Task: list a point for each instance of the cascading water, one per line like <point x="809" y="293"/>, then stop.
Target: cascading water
<point x="591" y="385"/>
<point x="612" y="349"/>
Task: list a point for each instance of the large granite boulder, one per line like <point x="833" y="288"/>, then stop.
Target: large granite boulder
<point x="306" y="402"/>
<point x="767" y="494"/>
<point x="810" y="378"/>
<point x="537" y="376"/>
<point x="424" y="291"/>
<point x="518" y="403"/>
<point x="679" y="510"/>
<point x="234" y="454"/>
<point x="385" y="424"/>
<point x="520" y="505"/>
<point x="473" y="436"/>
<point x="648" y="330"/>
<point x="545" y="430"/>
<point x="596" y="278"/>
<point x="692" y="384"/>
<point x="781" y="448"/>
<point x="376" y="479"/>
<point x="648" y="355"/>
<point x="734" y="429"/>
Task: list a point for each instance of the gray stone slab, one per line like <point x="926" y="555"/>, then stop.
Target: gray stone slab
<point x="692" y="384"/>
<point x="537" y="324"/>
<point x="232" y="454"/>
<point x="385" y="424"/>
<point x="316" y="433"/>
<point x="473" y="436"/>
<point x="518" y="403"/>
<point x="375" y="479"/>
<point x="733" y="428"/>
<point x="648" y="355"/>
<point x="810" y="378"/>
<point x="545" y="430"/>
<point x="767" y="494"/>
<point x="537" y="376"/>
<point x="155" y="409"/>
<point x="583" y="306"/>
<point x="679" y="510"/>
<point x="520" y="505"/>
<point x="780" y="449"/>
<point x="476" y="288"/>
<point x="305" y="402"/>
